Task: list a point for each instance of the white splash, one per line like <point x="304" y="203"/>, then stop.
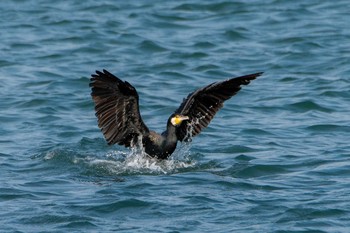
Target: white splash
<point x="138" y="162"/>
<point x="134" y="161"/>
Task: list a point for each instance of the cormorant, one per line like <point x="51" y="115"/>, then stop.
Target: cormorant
<point x="117" y="111"/>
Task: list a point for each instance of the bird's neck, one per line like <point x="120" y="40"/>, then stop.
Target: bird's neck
<point x="170" y="134"/>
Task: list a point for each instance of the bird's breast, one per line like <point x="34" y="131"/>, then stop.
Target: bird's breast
<point x="157" y="146"/>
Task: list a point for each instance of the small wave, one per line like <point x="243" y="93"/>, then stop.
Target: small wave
<point x="308" y="105"/>
<point x="151" y="46"/>
<point x="328" y="128"/>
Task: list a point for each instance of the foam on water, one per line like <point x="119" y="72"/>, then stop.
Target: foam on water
<point x="117" y="162"/>
<point x="141" y="163"/>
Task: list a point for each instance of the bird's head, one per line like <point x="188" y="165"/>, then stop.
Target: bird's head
<point x="177" y="119"/>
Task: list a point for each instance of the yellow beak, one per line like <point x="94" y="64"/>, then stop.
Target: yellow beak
<point x="177" y="120"/>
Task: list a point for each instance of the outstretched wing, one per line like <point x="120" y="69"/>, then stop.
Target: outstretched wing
<point x="202" y="105"/>
<point x="117" y="109"/>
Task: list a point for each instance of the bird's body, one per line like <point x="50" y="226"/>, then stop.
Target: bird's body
<point x="117" y="110"/>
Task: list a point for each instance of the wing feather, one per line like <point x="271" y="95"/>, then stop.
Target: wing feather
<point x="117" y="109"/>
<point x="202" y="105"/>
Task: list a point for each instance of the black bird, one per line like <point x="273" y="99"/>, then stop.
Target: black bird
<point x="117" y="111"/>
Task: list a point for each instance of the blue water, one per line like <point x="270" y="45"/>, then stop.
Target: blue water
<point x="276" y="158"/>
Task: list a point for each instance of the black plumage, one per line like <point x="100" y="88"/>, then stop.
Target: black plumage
<point x="117" y="111"/>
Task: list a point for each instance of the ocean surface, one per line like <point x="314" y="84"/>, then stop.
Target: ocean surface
<point x="276" y="158"/>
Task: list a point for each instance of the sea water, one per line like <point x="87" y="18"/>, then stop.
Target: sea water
<point x="276" y="158"/>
